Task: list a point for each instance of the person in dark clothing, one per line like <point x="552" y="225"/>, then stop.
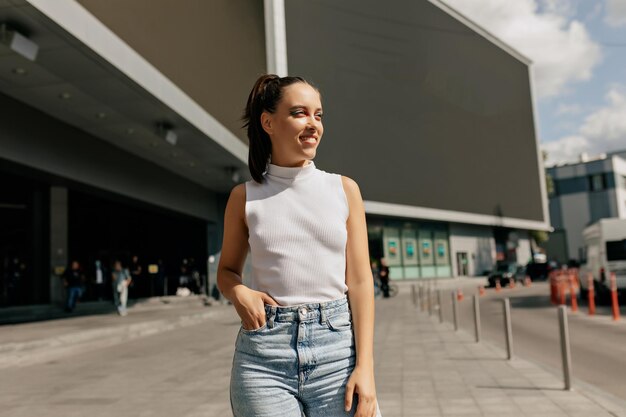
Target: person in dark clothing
<point x="383" y="273"/>
<point x="73" y="280"/>
<point x="138" y="286"/>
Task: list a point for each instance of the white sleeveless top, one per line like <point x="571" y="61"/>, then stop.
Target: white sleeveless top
<point x="297" y="234"/>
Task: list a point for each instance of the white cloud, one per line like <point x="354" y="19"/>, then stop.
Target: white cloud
<point x="602" y="131"/>
<point x="615" y="13"/>
<point x="559" y="46"/>
<point x="568" y="109"/>
<point x="566" y="149"/>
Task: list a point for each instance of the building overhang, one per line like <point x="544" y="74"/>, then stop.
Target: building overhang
<point x="87" y="77"/>
<point x="425" y="213"/>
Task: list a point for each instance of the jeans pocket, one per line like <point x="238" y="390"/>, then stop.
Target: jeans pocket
<point x="254" y="331"/>
<point x="340" y="322"/>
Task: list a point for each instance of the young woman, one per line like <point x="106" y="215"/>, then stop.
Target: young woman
<point x="306" y="341"/>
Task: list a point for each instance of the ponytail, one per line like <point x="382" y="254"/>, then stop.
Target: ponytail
<point x="265" y="96"/>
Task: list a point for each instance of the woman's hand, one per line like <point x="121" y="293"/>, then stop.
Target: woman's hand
<point x="361" y="383"/>
<point x="250" y="306"/>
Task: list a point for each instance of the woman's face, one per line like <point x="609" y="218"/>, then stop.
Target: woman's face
<point x="295" y="128"/>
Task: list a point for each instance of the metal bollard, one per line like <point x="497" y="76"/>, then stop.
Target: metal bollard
<point x="439" y="306"/>
<point x="507" y="328"/>
<point x="430" y="302"/>
<point x="566" y="354"/>
<point x="477" y="328"/>
<point x="413" y="295"/>
<point x="455" y="311"/>
<point x="421" y="296"/>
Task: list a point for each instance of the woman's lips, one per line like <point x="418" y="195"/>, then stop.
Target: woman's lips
<point x="308" y="139"/>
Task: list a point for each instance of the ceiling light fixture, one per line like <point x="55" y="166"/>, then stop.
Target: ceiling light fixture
<point x="18" y="42"/>
<point x="234" y="174"/>
<point x="166" y="131"/>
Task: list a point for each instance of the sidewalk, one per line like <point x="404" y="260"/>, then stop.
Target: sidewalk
<point x="37" y="342"/>
<point x="423" y="368"/>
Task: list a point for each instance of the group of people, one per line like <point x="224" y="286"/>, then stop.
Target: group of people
<point x="74" y="281"/>
<point x="126" y="279"/>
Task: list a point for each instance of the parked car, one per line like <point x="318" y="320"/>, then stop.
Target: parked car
<point x="504" y="271"/>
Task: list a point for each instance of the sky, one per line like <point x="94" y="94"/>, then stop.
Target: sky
<point x="578" y="49"/>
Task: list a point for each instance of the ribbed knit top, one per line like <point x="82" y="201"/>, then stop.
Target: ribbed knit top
<point x="297" y="234"/>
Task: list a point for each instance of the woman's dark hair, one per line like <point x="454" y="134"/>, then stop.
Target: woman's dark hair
<point x="265" y="95"/>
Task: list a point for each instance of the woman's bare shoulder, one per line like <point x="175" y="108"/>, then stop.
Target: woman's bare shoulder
<point x="237" y="201"/>
<point x="351" y="188"/>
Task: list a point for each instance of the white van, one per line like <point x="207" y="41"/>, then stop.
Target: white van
<point x="605" y="250"/>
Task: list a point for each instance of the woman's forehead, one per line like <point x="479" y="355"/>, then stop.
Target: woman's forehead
<point x="301" y="93"/>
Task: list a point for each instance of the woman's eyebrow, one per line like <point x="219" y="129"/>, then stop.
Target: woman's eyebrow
<point x="302" y="106"/>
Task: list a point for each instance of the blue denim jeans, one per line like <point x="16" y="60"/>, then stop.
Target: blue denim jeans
<point x="297" y="363"/>
<point x="73" y="294"/>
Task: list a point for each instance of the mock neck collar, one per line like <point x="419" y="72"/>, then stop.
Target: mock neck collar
<point x="291" y="172"/>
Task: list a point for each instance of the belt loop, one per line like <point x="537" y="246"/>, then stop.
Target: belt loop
<point x="272" y="315"/>
<point x="322" y="314"/>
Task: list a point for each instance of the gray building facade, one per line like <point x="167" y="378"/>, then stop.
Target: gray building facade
<point x="123" y="135"/>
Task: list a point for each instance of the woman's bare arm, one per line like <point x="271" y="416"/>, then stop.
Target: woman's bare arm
<point x="248" y="303"/>
<point x="361" y="295"/>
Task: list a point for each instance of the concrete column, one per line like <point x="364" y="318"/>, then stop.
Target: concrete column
<point x="275" y="37"/>
<point x="58" y="241"/>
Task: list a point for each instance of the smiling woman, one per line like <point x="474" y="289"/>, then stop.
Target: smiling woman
<point x="306" y="341"/>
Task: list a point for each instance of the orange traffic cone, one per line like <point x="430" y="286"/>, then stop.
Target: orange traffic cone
<point x="481" y="290"/>
<point x="459" y="294"/>
<point x="527" y="281"/>
<point x="498" y="286"/>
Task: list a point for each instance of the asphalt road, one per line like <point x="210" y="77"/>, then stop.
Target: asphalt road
<point x="598" y="343"/>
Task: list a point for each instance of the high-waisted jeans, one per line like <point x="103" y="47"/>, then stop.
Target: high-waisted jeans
<point x="297" y="363"/>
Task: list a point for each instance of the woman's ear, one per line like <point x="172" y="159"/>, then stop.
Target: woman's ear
<point x="266" y="122"/>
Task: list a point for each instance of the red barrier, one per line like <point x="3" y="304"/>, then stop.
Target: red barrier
<point x="572" y="292"/>
<point x="614" y="302"/>
<point x="553" y="288"/>
<point x="590" y="294"/>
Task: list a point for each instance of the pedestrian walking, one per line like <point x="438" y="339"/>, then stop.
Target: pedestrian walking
<point x="121" y="279"/>
<point x="306" y="341"/>
<point x="73" y="280"/>
<point x="99" y="279"/>
<point x="383" y="273"/>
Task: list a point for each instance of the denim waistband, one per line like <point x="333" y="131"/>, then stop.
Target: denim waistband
<point x="307" y="312"/>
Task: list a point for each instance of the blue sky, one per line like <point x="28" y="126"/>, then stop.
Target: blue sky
<point x="578" y="49"/>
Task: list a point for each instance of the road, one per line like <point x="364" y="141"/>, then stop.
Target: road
<point x="598" y="343"/>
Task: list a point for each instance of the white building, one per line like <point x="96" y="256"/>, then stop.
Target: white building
<point x="579" y="194"/>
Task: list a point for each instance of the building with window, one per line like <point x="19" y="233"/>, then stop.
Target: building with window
<point x="582" y="193"/>
<point x="120" y="132"/>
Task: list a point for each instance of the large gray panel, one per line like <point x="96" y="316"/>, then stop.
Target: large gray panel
<point x="419" y="109"/>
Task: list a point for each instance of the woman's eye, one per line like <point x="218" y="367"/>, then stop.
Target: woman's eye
<point x="319" y="115"/>
<point x="297" y="112"/>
